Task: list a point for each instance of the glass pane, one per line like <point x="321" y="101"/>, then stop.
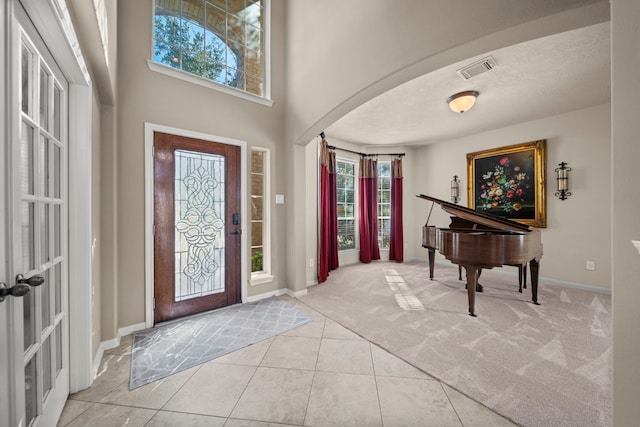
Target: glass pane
<point x="235" y="78"/>
<point x="25" y="68"/>
<point x="28" y="317"/>
<point x="56" y="278"/>
<point x="193" y="43"/>
<point x="45" y="300"/>
<point x="58" y="345"/>
<point x="253" y="14"/>
<point x="346" y="234"/>
<point x="257" y="184"/>
<point x="256" y="259"/>
<point x="44" y="98"/>
<point x="257" y="161"/>
<point x="44" y="233"/>
<point x="31" y="390"/>
<point x="26" y="159"/>
<point x="45" y="188"/>
<point x="28" y="236"/>
<point x="235" y="29"/>
<point x="216" y="20"/>
<point x="200" y="224"/>
<point x="56" y="112"/>
<point x="45" y="350"/>
<point x="256" y="233"/>
<point x="253" y="84"/>
<point x="57" y="167"/>
<point x="254" y="40"/>
<point x="256" y="207"/>
<point x="57" y="235"/>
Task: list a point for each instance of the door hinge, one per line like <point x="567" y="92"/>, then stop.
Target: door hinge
<point x="154" y="230"/>
<point x="154" y="303"/>
<point x="153" y="151"/>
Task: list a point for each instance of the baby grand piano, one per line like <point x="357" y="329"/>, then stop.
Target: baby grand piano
<point x="477" y="240"/>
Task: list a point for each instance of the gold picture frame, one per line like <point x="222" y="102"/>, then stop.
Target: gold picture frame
<point x="509" y="182"/>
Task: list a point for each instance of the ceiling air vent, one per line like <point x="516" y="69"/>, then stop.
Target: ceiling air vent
<point x="479" y="67"/>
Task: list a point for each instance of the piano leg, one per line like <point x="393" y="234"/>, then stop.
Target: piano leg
<point x="534" y="265"/>
<point x="472" y="281"/>
<point x="432" y="258"/>
<point x="479" y="287"/>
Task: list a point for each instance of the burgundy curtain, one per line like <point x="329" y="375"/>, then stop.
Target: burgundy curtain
<point x="368" y="210"/>
<point x="396" y="240"/>
<point x="328" y="254"/>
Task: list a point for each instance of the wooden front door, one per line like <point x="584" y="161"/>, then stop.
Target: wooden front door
<point x="197" y="234"/>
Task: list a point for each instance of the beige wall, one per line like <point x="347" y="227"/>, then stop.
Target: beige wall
<point x="578" y="229"/>
<point x="625" y="60"/>
<point x="147" y="96"/>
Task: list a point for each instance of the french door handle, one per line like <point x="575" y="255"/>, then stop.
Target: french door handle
<point x="35" y="280"/>
<point x="22" y="286"/>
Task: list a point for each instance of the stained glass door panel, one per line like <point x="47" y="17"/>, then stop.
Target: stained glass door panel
<point x="199" y="221"/>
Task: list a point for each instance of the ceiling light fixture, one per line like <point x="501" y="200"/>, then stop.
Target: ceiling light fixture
<point x="462" y="101"/>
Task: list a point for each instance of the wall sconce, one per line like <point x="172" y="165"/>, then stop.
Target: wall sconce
<point x="562" y="180"/>
<point x="455" y="189"/>
<point x="462" y="101"/>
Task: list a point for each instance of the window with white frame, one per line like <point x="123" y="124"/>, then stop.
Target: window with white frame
<point x="384" y="204"/>
<point x="346" y="175"/>
<point x="219" y="40"/>
<point x="260" y="254"/>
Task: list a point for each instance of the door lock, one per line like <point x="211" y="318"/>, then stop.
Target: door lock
<point x="22" y="286"/>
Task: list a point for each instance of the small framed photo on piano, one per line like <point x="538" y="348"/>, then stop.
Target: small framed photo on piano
<point x="509" y="182"/>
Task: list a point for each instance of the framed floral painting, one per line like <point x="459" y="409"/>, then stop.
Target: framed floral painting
<point x="509" y="182"/>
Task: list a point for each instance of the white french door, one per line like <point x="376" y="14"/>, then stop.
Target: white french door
<point x="34" y="360"/>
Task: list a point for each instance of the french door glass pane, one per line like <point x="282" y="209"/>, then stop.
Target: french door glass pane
<point x="55" y="278"/>
<point x="45" y="300"/>
<point x="56" y="112"/>
<point x="47" y="382"/>
<point x="28" y="235"/>
<point x="26" y="159"/>
<point x="57" y="234"/>
<point x="58" y="345"/>
<point x="44" y="168"/>
<point x="25" y="93"/>
<point x="199" y="224"/>
<point x="44" y="233"/>
<point x="28" y="317"/>
<point x="44" y="98"/>
<point x="31" y="389"/>
<point x="57" y="159"/>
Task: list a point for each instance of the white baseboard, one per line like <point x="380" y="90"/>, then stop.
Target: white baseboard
<point x="112" y="343"/>
<point x="264" y="295"/>
<point x="296" y="294"/>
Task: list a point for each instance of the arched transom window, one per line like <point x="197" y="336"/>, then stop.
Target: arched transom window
<point x="220" y="40"/>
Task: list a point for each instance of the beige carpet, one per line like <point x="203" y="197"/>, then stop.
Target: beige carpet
<point x="546" y="365"/>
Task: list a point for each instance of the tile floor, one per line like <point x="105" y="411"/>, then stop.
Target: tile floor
<point x="320" y="374"/>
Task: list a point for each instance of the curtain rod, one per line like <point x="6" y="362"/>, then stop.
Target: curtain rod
<point x="333" y="147"/>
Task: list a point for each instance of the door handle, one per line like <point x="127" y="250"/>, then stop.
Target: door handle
<point x="22" y="286"/>
<point x="236" y="231"/>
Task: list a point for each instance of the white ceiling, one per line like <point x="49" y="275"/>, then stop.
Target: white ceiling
<point x="532" y="80"/>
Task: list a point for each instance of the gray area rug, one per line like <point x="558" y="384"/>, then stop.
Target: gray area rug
<point x="178" y="345"/>
<point x="546" y="365"/>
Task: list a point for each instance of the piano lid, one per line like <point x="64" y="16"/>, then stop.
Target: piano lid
<point x="479" y="217"/>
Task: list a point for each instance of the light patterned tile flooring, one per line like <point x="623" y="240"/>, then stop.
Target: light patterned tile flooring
<point x="319" y="374"/>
